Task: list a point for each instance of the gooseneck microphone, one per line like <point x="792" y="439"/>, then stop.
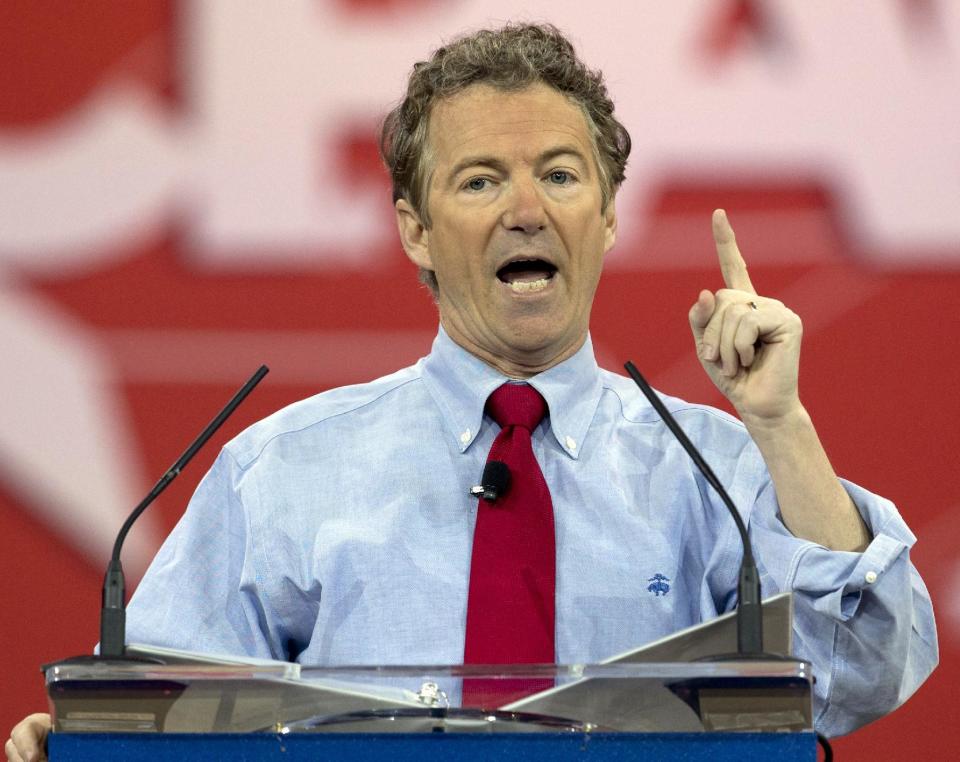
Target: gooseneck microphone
<point x="494" y="482"/>
<point x="113" y="615"/>
<point x="749" y="612"/>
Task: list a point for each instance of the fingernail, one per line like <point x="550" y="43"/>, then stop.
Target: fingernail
<point x="707" y="351"/>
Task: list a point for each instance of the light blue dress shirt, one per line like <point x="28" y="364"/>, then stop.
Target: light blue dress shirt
<point x="339" y="530"/>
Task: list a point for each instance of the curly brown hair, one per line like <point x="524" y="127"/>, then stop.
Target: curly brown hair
<point x="510" y="58"/>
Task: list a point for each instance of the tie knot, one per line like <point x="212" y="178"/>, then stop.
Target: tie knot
<point x="517" y="405"/>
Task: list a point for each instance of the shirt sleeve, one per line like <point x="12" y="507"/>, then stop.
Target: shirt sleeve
<point x="199" y="592"/>
<point x="864" y="620"/>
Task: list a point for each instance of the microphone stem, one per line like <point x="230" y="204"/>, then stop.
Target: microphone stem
<point x="113" y="616"/>
<point x="749" y="613"/>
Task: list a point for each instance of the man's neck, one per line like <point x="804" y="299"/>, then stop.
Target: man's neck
<point x="518" y="364"/>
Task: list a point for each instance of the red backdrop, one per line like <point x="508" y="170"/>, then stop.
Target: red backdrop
<point x="190" y="189"/>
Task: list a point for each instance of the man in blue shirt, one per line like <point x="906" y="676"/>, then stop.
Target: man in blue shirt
<point x="339" y="530"/>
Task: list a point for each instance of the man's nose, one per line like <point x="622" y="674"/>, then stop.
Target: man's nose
<point x="524" y="212"/>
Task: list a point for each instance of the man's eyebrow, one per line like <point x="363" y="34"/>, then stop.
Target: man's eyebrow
<point x="476" y="161"/>
<point x="564" y="150"/>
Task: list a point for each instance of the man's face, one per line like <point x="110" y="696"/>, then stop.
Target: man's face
<point x="518" y="233"/>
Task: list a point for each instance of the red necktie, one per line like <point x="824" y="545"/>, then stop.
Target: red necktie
<point x="510" y="606"/>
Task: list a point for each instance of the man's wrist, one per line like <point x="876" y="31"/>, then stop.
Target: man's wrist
<point x="794" y="420"/>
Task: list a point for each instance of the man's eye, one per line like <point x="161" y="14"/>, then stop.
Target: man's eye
<point x="560" y="177"/>
<point x="477" y="183"/>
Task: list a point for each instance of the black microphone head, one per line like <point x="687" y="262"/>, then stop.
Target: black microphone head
<point x="495" y="479"/>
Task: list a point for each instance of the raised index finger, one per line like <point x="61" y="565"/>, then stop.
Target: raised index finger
<point x="732" y="266"/>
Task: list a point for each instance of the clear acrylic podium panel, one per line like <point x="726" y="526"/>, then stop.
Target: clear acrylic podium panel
<point x="289" y="700"/>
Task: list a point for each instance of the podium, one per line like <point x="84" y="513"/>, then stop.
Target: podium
<point x="714" y="711"/>
<point x="627" y="747"/>
<point x="670" y="700"/>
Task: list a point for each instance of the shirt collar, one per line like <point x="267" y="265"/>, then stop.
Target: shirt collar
<point x="460" y="384"/>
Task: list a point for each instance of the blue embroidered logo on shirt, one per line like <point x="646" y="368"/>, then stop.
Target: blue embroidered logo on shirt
<point x="658" y="585"/>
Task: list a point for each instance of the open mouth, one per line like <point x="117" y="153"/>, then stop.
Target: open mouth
<point x="524" y="275"/>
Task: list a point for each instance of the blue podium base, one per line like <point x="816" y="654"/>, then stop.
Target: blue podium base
<point x="401" y="747"/>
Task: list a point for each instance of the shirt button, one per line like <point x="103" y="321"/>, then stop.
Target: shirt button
<point x="465" y="437"/>
<point x="571" y="443"/>
<point x="870" y="577"/>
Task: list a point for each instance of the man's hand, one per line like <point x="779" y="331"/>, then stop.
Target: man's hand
<point x="750" y="347"/>
<point x="26" y="739"/>
<point x="748" y="344"/>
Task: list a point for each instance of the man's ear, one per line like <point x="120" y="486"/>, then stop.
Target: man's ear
<point x="610" y="224"/>
<point x="413" y="234"/>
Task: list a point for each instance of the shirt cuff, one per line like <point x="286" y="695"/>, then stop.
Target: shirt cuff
<point x="833" y="581"/>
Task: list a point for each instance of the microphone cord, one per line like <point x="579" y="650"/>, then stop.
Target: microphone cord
<point x="825" y="745"/>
